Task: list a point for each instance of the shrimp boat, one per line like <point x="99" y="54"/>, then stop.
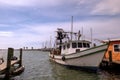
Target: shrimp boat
<point x="77" y="52"/>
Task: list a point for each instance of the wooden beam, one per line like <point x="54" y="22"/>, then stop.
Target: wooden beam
<point x="20" y="64"/>
<point x="10" y="54"/>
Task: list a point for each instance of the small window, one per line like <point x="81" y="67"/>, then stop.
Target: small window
<point x="63" y="47"/>
<point x="117" y="47"/>
<point x="74" y="45"/>
<point x="84" y="45"/>
<point x="88" y="45"/>
<point x="79" y="45"/>
<point x="68" y="45"/>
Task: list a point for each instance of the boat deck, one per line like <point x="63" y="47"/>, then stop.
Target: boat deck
<point x="3" y="66"/>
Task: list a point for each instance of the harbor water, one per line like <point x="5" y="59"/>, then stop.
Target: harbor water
<point x="39" y="67"/>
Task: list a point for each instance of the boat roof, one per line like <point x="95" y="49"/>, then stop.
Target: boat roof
<point x="111" y="40"/>
<point x="86" y="41"/>
<point x="82" y="41"/>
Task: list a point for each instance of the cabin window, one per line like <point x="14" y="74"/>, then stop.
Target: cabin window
<point x="84" y="45"/>
<point x="79" y="45"/>
<point x="63" y="47"/>
<point x="88" y="45"/>
<point x="74" y="45"/>
<point x="68" y="45"/>
<point x="117" y="47"/>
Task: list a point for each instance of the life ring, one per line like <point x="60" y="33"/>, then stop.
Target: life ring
<point x="63" y="58"/>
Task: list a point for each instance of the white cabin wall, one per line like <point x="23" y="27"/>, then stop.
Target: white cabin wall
<point x="70" y="50"/>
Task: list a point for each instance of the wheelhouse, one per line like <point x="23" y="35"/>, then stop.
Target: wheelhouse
<point x="74" y="46"/>
<point x="114" y="47"/>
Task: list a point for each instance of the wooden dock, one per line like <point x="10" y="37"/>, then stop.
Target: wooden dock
<point x="3" y="66"/>
<point x="8" y="68"/>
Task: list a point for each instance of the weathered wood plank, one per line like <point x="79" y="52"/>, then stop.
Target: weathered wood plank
<point x="3" y="66"/>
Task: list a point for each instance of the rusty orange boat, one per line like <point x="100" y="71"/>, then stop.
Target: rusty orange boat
<point x="112" y="55"/>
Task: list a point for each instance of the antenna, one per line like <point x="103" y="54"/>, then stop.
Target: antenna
<point x="82" y="33"/>
<point x="71" y="27"/>
<point x="91" y="34"/>
<point x="50" y="42"/>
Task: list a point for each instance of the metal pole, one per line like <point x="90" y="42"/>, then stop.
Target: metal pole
<point x="91" y="36"/>
<point x="71" y="27"/>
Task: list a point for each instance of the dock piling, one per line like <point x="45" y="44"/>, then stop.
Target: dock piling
<point x="9" y="55"/>
<point x="13" y="66"/>
<point x="20" y="64"/>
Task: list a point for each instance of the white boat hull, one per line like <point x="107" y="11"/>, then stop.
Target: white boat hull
<point x="90" y="58"/>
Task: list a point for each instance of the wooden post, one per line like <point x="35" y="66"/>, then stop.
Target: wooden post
<point x="10" y="54"/>
<point x="110" y="57"/>
<point x="20" y="64"/>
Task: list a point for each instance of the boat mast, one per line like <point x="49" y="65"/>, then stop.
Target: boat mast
<point x="50" y="43"/>
<point x="91" y="35"/>
<point x="71" y="27"/>
<point x="82" y="34"/>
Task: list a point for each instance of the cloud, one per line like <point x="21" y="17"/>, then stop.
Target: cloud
<point x="29" y="3"/>
<point x="6" y="34"/>
<point x="107" y="7"/>
<point x="34" y="35"/>
<point x="35" y="11"/>
<point x="31" y="35"/>
<point x="32" y="22"/>
<point x="53" y="7"/>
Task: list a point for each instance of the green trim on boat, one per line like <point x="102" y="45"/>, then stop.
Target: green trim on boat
<point x="94" y="47"/>
<point x="88" y="49"/>
<point x="88" y="54"/>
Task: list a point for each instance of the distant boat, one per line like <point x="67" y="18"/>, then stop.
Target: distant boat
<point x="77" y="52"/>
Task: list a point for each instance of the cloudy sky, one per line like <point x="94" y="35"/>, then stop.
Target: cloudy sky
<point x="32" y="22"/>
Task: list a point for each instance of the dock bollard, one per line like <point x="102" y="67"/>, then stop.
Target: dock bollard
<point x="9" y="55"/>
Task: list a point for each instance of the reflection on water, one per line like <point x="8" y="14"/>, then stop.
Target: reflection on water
<point x="64" y="73"/>
<point x="39" y="67"/>
<point x="104" y="75"/>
